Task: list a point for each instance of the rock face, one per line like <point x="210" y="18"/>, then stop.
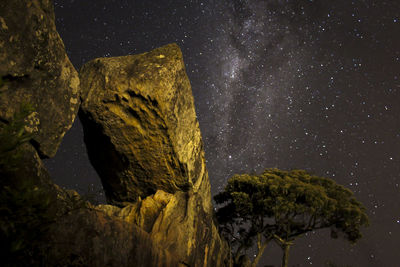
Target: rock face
<point x="56" y="227"/>
<point x="142" y="137"/>
<point x="36" y="70"/>
<point x="178" y="224"/>
<point x="89" y="237"/>
<point x="144" y="140"/>
<point x="140" y="125"/>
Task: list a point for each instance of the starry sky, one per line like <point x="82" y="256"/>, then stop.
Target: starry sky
<point x="309" y="84"/>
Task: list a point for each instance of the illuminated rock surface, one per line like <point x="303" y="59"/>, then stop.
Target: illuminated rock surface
<point x="140" y="125"/>
<point x="142" y="136"/>
<point x="144" y="140"/>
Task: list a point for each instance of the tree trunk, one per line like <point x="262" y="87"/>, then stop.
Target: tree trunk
<point x="260" y="246"/>
<point x="259" y="254"/>
<point x="237" y="254"/>
<point x="230" y="255"/>
<point x="285" y="258"/>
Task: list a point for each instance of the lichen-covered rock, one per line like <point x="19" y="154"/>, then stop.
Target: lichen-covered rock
<point x="140" y="125"/>
<point x="35" y="70"/>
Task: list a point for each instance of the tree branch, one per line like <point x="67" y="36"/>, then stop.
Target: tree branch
<point x="261" y="247"/>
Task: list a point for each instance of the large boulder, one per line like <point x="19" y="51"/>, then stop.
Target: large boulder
<point x="140" y="125"/>
<point x="144" y="140"/>
<point x="35" y="70"/>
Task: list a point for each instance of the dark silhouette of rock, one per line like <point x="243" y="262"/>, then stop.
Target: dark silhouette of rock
<point x="89" y="237"/>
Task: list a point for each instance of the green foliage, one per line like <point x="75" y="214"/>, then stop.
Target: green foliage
<point x="13" y="134"/>
<point x="282" y="205"/>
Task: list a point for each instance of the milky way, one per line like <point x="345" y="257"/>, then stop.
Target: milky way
<point x="288" y="84"/>
<point x="259" y="52"/>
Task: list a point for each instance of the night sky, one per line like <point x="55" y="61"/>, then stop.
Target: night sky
<point x="309" y="84"/>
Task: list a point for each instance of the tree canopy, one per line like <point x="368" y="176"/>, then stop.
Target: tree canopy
<point x="283" y="205"/>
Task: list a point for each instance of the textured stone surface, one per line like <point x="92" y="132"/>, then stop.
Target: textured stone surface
<point x="144" y="140"/>
<point x="89" y="237"/>
<point x="142" y="137"/>
<point x="140" y="125"/>
<point x="178" y="224"/>
<point x="36" y="70"/>
<point x="79" y="234"/>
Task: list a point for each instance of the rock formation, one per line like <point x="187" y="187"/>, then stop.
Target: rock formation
<point x="89" y="237"/>
<point x="142" y="137"/>
<point x="36" y="71"/>
<point x="140" y="125"/>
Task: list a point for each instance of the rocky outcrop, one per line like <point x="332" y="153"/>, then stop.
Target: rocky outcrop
<point x="35" y="70"/>
<point x="177" y="223"/>
<point x="89" y="237"/>
<point x="143" y="138"/>
<point x="44" y="225"/>
<point x="41" y="224"/>
<point x="140" y="125"/>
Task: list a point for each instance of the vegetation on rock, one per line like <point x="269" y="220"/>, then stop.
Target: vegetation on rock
<point x="13" y="134"/>
<point x="281" y="206"/>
